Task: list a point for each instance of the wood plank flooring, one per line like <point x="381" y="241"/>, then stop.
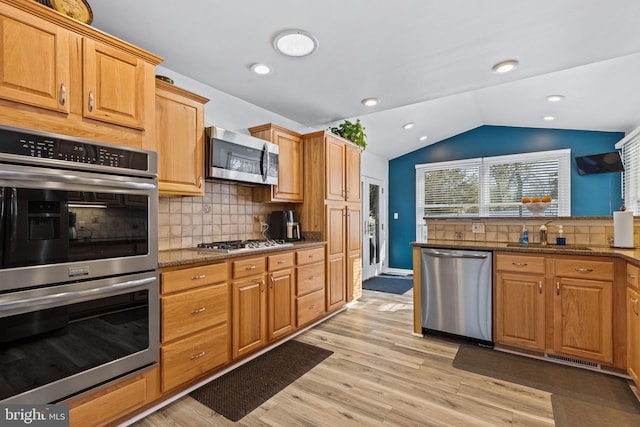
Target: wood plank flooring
<point x="380" y="375"/>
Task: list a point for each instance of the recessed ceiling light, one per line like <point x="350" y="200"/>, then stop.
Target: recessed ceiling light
<point x="423" y="138"/>
<point x="555" y="98"/>
<point x="407" y="125"/>
<point x="505" y="66"/>
<point x="549" y="118"/>
<point x="295" y="43"/>
<point x="261" y="69"/>
<point x="370" y="102"/>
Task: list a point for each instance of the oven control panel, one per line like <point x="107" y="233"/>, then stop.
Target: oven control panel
<point x="42" y="146"/>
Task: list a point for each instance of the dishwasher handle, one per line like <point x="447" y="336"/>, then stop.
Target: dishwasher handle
<point x="452" y="255"/>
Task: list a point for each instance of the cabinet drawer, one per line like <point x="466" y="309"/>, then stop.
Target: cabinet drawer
<point x="310" y="307"/>
<point x="310" y="255"/>
<point x="520" y="263"/>
<point x="584" y="269"/>
<point x="280" y="261"/>
<point x="248" y="267"/>
<point x="633" y="273"/>
<point x="190" y="311"/>
<point x="186" y="359"/>
<point x="310" y="278"/>
<point x="188" y="278"/>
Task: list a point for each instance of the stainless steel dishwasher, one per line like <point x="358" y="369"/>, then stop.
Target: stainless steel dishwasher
<point x="456" y="293"/>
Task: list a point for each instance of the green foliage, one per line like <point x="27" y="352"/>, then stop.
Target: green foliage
<point x="354" y="132"/>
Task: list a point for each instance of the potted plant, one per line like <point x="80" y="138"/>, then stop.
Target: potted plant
<point x="354" y="132"/>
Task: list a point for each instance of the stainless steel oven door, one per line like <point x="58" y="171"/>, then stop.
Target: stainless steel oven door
<point x="58" y="341"/>
<point x="63" y="225"/>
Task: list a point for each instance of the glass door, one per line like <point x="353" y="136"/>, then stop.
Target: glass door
<point x="373" y="239"/>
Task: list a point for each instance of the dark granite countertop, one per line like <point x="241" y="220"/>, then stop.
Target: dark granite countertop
<point x="178" y="257"/>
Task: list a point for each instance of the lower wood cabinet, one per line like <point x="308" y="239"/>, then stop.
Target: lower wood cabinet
<point x="280" y="296"/>
<point x="249" y="305"/>
<point x="633" y="334"/>
<point x="310" y="286"/>
<point x="556" y="305"/>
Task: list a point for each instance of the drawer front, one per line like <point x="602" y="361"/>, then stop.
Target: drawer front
<point x="280" y="261"/>
<point x="633" y="272"/>
<point x="308" y="256"/>
<point x="310" y="278"/>
<point x="310" y="307"/>
<point x="584" y="269"/>
<point x="190" y="311"/>
<point x="186" y="359"/>
<point x="520" y="263"/>
<point x="189" y="278"/>
<point x="248" y="267"/>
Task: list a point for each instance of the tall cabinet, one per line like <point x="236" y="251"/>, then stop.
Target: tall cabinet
<point x="332" y="209"/>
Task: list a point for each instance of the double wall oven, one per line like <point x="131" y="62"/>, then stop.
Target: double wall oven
<point x="78" y="264"/>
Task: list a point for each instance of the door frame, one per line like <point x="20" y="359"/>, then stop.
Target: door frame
<point x="367" y="270"/>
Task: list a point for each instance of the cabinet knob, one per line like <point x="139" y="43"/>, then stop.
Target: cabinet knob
<point x="63" y="94"/>
<point x="91" y="101"/>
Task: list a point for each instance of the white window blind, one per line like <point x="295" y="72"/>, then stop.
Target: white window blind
<point x="494" y="186"/>
<point x="631" y="175"/>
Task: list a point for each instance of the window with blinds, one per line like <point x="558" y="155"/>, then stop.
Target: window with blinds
<point x="494" y="186"/>
<point x="631" y="175"/>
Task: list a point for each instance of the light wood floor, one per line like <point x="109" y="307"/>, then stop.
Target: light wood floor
<point x="379" y="374"/>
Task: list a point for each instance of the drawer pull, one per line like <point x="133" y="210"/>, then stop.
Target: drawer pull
<point x="635" y="306"/>
<point x="557" y="288"/>
<point x="201" y="276"/>
<point x="540" y="287"/>
<point x="312" y="277"/>
<point x="631" y="276"/>
<point x="273" y="281"/>
<point x="91" y="101"/>
<point x="282" y="261"/>
<point x="583" y="270"/>
<point x="63" y="94"/>
<point x="198" y="356"/>
<point x="198" y="310"/>
<point x="312" y="256"/>
<point x="519" y="264"/>
<point x="250" y="267"/>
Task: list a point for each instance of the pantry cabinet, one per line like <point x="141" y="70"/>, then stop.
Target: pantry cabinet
<point x="180" y="140"/>
<point x="559" y="305"/>
<point x="61" y="76"/>
<point x="332" y="210"/>
<point x="290" y="160"/>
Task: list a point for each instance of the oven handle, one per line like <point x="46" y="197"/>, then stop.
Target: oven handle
<point x="71" y="178"/>
<point x="23" y="305"/>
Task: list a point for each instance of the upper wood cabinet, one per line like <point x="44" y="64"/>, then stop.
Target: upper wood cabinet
<point x="352" y="173"/>
<point x="62" y="76"/>
<point x="290" y="177"/>
<point x="180" y="140"/>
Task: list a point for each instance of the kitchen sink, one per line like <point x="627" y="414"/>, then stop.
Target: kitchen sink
<point x="550" y="246"/>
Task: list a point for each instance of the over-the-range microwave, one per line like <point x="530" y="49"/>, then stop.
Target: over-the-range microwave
<point x="240" y="157"/>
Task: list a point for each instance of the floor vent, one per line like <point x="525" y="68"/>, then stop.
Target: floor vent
<point x="572" y="361"/>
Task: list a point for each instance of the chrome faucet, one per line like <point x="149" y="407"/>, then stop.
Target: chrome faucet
<point x="543" y="233"/>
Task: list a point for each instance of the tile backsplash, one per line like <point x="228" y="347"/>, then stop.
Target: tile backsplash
<point x="225" y="212"/>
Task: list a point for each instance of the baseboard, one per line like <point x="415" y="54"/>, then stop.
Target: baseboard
<point x="398" y="271"/>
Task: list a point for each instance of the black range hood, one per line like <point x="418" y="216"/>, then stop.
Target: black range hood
<point x="600" y="163"/>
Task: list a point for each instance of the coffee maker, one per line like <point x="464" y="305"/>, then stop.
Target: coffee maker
<point x="284" y="225"/>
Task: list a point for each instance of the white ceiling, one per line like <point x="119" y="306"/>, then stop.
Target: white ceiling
<point x="429" y="61"/>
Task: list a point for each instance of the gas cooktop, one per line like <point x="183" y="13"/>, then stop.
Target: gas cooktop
<point x="234" y="246"/>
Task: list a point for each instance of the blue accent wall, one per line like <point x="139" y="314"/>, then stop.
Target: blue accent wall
<point x="591" y="195"/>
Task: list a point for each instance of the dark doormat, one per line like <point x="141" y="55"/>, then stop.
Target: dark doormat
<point x="393" y="285"/>
<point x="584" y="385"/>
<point x="570" y="412"/>
<point x="240" y="391"/>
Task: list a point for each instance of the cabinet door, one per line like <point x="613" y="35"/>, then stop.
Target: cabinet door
<point x="290" y="178"/>
<point x="180" y="142"/>
<point x="114" y="82"/>
<point x="281" y="304"/>
<point x="336" y="256"/>
<point x="633" y="335"/>
<point x="352" y="176"/>
<point x="519" y="312"/>
<point x="583" y="318"/>
<point x="249" y="316"/>
<point x="335" y="169"/>
<point x="34" y="63"/>
<point x="354" y="252"/>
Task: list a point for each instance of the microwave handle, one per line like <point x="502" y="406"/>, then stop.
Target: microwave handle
<point x="265" y="162"/>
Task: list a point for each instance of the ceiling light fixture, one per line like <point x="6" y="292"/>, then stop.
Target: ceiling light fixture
<point x="407" y="126"/>
<point x="423" y="138"/>
<point x="549" y="118"/>
<point x="370" y="102"/>
<point x="295" y="43"/>
<point x="505" y="66"/>
<point x="261" y="69"/>
<point x="555" y="98"/>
